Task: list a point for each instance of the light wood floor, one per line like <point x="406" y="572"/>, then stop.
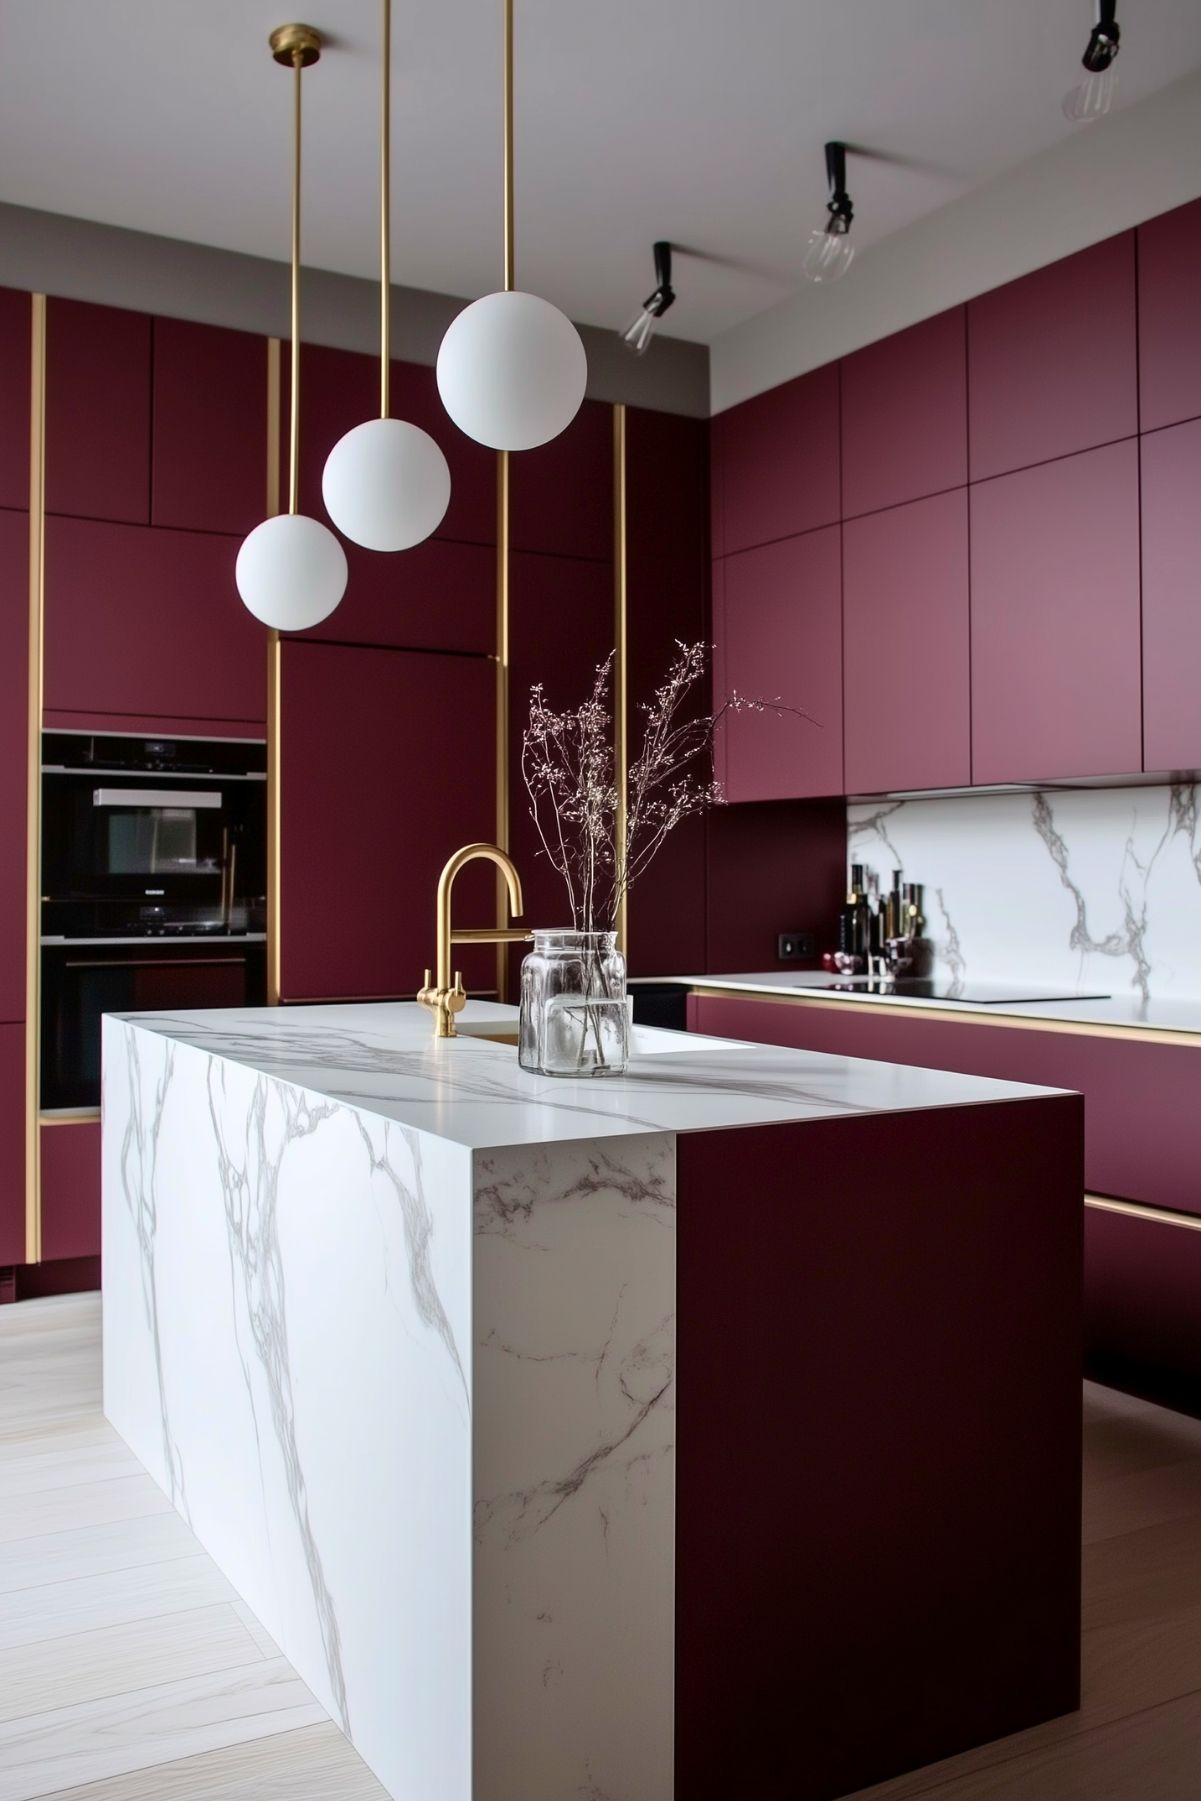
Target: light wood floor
<point x="130" y="1671"/>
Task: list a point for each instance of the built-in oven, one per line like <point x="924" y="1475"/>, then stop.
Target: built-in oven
<point x="153" y="888"/>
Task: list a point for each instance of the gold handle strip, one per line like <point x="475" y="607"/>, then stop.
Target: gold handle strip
<point x="87" y="1116"/>
<point x="621" y="664"/>
<point x="1160" y="1216"/>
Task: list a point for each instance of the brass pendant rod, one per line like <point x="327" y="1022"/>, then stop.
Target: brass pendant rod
<point x="385" y="209"/>
<point x="294" y="419"/>
<point x="510" y="277"/>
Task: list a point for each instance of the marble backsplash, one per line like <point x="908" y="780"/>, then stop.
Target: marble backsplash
<point x="1097" y="889"/>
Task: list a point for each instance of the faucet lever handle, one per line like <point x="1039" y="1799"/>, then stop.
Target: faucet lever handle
<point x="456" y="1000"/>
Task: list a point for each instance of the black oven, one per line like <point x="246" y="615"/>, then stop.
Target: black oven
<point x="153" y="888"/>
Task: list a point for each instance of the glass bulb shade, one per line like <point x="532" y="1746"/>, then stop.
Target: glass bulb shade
<point x="638" y="333"/>
<point x="828" y="255"/>
<point x="1091" y="97"/>
<point x="291" y="572"/>
<point x="386" y="485"/>
<point x="512" y="371"/>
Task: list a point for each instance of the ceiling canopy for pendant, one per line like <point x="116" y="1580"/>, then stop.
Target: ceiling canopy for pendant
<point x="511" y="368"/>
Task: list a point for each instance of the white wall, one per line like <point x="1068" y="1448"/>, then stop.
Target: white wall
<point x="1106" y="177"/>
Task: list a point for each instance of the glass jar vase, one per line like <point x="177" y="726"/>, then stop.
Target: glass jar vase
<point x="575" y="1018"/>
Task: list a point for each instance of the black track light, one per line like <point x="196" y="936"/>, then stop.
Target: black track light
<point x="829" y="253"/>
<point x="1095" y="94"/>
<point x="638" y="333"/>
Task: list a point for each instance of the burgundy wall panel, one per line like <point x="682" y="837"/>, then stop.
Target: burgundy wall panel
<point x="1171" y="541"/>
<point x="387" y="767"/>
<point x="1142" y="1126"/>
<point x="71" y="1190"/>
<point x="441" y="595"/>
<point x="1169" y="305"/>
<point x="209" y="445"/>
<point x="561" y="495"/>
<point x="1052" y="360"/>
<point x="906" y="645"/>
<point x="1142" y="1322"/>
<point x="778" y="462"/>
<point x="667" y="580"/>
<point x="141" y="621"/>
<point x="14" y="688"/>
<point x="778" y="621"/>
<point x="898" y="1557"/>
<point x="1055" y="620"/>
<point x="562" y="627"/>
<point x="97" y="412"/>
<point x="904" y="415"/>
<point x="12" y="1143"/>
<point x="779" y="867"/>
<point x="15" y="318"/>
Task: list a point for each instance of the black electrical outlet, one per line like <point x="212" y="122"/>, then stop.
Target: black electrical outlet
<point x="791" y="947"/>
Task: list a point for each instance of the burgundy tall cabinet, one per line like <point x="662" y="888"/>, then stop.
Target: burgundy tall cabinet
<point x="14" y="616"/>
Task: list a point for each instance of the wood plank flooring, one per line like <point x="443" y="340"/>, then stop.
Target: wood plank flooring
<point x="130" y="1671"/>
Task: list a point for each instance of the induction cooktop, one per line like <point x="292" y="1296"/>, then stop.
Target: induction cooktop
<point x="976" y="994"/>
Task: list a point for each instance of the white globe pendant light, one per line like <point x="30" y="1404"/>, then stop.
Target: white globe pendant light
<point x="386" y="483"/>
<point x="511" y="368"/>
<point x="291" y="570"/>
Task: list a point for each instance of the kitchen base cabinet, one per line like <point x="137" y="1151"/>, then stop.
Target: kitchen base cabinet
<point x="12" y="1143"/>
<point x="14" y="713"/>
<point x="1142" y="1324"/>
<point x="71" y="1190"/>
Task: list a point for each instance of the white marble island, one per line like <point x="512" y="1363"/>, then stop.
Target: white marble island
<point x="395" y="1326"/>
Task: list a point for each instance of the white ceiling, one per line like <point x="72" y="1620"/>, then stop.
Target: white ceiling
<point x="701" y="121"/>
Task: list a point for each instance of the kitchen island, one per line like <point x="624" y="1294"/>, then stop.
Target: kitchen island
<point x="711" y="1430"/>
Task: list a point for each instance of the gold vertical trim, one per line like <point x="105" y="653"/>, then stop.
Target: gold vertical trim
<point x="621" y="661"/>
<point x="1159" y="1216"/>
<point x="274" y="695"/>
<point x="33" y="802"/>
<point x="503" y="816"/>
<point x="507" y="169"/>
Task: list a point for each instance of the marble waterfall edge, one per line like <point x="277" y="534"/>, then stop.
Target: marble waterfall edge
<point x="418" y="1403"/>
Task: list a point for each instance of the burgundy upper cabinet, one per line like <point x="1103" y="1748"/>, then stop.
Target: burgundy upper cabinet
<point x="1169" y="307"/>
<point x="906" y="644"/>
<point x="441" y="595"/>
<point x="1055" y="620"/>
<point x="775" y="467"/>
<point x="387" y="763"/>
<point x="16" y="312"/>
<point x="777" y="614"/>
<point x="97" y="412"/>
<point x="14" y="677"/>
<point x="1172" y="597"/>
<point x="1052" y="361"/>
<point x="561" y="495"/>
<point x="147" y="622"/>
<point x="904" y="416"/>
<point x="209" y="445"/>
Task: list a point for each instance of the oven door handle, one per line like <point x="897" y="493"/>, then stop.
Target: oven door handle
<point x="152" y="962"/>
<point x="176" y="799"/>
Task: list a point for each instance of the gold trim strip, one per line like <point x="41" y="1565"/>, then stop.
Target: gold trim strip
<point x="87" y="1116"/>
<point x="963" y="1014"/>
<point x="621" y="660"/>
<point x="1160" y="1216"/>
<point x="503" y="622"/>
<point x="33" y="802"/>
<point x="274" y="690"/>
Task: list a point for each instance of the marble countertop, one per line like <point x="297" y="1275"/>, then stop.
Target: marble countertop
<point x="1117" y="1011"/>
<point x="382" y="1059"/>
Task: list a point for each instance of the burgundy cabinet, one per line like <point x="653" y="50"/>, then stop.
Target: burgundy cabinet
<point x="14" y="712"/>
<point x="441" y="595"/>
<point x="71" y="1190"/>
<point x="209" y="444"/>
<point x="906" y="645"/>
<point x="561" y="612"/>
<point x="904" y="415"/>
<point x="387" y="765"/>
<point x="1171" y="526"/>
<point x="16" y="311"/>
<point x="561" y="494"/>
<point x="1055" y="620"/>
<point x="775" y="470"/>
<point x="1052" y="361"/>
<point x="340" y="389"/>
<point x="1142" y="1325"/>
<point x="147" y="622"/>
<point x="97" y="412"/>
<point x="1169" y="306"/>
<point x="777" y="617"/>
<point x="12" y="1143"/>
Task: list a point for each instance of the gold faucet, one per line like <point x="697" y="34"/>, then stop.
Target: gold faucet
<point x="446" y="998"/>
